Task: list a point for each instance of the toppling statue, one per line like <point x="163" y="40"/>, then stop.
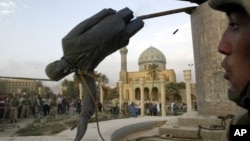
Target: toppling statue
<point x="85" y="46"/>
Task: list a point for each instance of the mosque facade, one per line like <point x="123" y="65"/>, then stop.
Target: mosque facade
<point x="139" y="86"/>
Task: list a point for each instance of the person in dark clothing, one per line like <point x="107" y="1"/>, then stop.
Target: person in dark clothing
<point x="64" y="105"/>
<point x="153" y="109"/>
<point x="99" y="106"/>
<point x="133" y="110"/>
<point x="2" y="106"/>
<point x="235" y="46"/>
<point x="78" y="105"/>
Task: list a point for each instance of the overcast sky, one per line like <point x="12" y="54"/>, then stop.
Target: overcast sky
<point x="31" y="33"/>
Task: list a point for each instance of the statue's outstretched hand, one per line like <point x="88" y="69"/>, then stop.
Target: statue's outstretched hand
<point x="86" y="45"/>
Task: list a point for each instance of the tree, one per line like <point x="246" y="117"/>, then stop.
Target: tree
<point x="181" y="85"/>
<point x="153" y="73"/>
<point x="112" y="93"/>
<point x="102" y="83"/>
<point x="103" y="79"/>
<point x="173" y="90"/>
<point x="71" y="88"/>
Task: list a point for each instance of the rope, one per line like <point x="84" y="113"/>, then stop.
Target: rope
<point x="92" y="97"/>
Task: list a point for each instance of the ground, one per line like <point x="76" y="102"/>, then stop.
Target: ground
<point x="54" y="125"/>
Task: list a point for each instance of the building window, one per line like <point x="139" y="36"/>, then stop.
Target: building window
<point x="137" y="94"/>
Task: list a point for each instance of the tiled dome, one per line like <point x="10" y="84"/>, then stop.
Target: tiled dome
<point x="152" y="56"/>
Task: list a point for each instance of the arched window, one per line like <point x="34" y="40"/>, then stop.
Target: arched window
<point x="146" y="94"/>
<point x="155" y="94"/>
<point x="137" y="94"/>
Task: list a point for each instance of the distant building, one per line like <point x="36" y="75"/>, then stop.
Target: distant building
<point x="21" y="86"/>
<point x="131" y="80"/>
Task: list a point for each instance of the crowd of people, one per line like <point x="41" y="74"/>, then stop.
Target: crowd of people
<point x="14" y="107"/>
<point x="17" y="106"/>
<point x="153" y="108"/>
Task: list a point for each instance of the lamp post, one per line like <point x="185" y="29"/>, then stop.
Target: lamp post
<point x="190" y="65"/>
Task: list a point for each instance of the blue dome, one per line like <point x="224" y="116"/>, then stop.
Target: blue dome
<point x="152" y="55"/>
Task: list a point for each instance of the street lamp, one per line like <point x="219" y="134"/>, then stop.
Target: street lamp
<point x="190" y="65"/>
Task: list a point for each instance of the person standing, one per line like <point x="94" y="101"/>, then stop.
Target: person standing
<point x="53" y="106"/>
<point x="115" y="109"/>
<point x="37" y="105"/>
<point x="235" y="46"/>
<point x="46" y="106"/>
<point x="7" y="107"/>
<point x="71" y="108"/>
<point x="2" y="106"/>
<point x="14" y="104"/>
<point x="99" y="106"/>
<point x="32" y="104"/>
<point x="41" y="101"/>
<point x="64" y="104"/>
<point x="20" y="107"/>
<point x="133" y="110"/>
<point x="59" y="104"/>
<point x="26" y="106"/>
<point x="78" y="105"/>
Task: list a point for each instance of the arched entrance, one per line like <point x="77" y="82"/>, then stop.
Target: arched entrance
<point x="137" y="94"/>
<point x="155" y="94"/>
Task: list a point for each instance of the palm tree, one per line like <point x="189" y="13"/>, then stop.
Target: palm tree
<point x="103" y="81"/>
<point x="153" y="73"/>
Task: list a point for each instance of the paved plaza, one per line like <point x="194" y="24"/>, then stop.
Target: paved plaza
<point x="107" y="128"/>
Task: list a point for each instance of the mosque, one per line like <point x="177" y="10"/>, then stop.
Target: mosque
<point x="140" y="87"/>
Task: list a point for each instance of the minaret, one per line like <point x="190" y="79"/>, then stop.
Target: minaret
<point x="123" y="72"/>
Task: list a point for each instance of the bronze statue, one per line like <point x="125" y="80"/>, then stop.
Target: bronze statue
<point x="195" y="1"/>
<point x="85" y="46"/>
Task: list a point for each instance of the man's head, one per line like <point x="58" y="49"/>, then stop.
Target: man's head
<point x="235" y="42"/>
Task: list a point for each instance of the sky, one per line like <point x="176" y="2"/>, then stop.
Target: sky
<point x="31" y="33"/>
